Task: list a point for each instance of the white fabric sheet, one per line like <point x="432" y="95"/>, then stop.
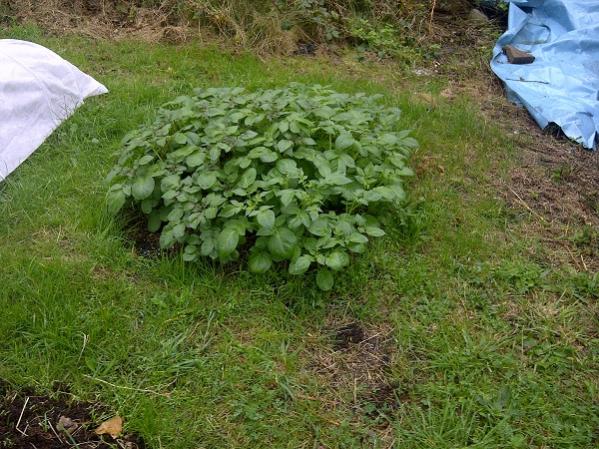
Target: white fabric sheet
<point x="38" y="91"/>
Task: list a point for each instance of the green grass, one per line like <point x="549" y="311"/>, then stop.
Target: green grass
<point x="489" y="347"/>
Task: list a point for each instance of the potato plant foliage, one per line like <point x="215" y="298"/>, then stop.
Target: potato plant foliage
<point x="300" y="174"/>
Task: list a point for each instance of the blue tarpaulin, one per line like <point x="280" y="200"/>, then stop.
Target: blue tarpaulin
<point x="562" y="85"/>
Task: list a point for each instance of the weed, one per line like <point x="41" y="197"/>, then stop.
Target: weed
<point x="563" y="173"/>
<point x="384" y="40"/>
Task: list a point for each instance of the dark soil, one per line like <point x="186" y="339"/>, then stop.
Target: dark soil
<point x="145" y="243"/>
<point x="358" y="359"/>
<point x="32" y="421"/>
<point x="348" y="334"/>
<point x="306" y="49"/>
<point x="386" y="396"/>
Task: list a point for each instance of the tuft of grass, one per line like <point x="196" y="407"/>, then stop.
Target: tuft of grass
<point x="481" y="344"/>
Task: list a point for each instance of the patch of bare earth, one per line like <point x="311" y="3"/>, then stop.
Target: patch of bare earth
<point x="557" y="183"/>
<point x="354" y="369"/>
<point x="32" y="421"/>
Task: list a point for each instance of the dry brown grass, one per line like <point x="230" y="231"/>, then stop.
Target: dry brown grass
<point x="262" y="25"/>
<point x="99" y="19"/>
<point x="355" y="358"/>
<point x="116" y="19"/>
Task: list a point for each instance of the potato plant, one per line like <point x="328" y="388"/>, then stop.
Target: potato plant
<point x="299" y="175"/>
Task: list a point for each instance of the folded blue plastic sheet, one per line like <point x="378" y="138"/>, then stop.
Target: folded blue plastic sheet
<point x="562" y="85"/>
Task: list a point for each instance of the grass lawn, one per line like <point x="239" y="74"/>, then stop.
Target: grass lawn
<point x="456" y="330"/>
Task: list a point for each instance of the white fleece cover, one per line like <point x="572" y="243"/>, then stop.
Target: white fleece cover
<point x="38" y="91"/>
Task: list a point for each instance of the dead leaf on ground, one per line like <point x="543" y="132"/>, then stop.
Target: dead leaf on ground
<point x="112" y="427"/>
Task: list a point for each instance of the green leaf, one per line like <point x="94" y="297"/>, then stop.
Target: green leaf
<point x="146" y="159"/>
<point x="227" y="242"/>
<point x="385" y="192"/>
<point x="337" y="260"/>
<point x="248" y="178"/>
<point x="229" y="210"/>
<point x="179" y="231"/>
<point x="147" y="205"/>
<point x="167" y="239"/>
<point x="300" y="265"/>
<point x="175" y="214"/>
<point x="206" y="180"/>
<point x="264" y="154"/>
<point x="190" y="253"/>
<point x="211" y="213"/>
<point x="170" y="182"/>
<point x="406" y="171"/>
<point x="343" y="227"/>
<point x="284" y="126"/>
<point x="269" y="156"/>
<point x="374" y="231"/>
<point x="169" y="195"/>
<point x="284" y="145"/>
<point x="214" y="154"/>
<point x="193" y="138"/>
<point x="142" y="187"/>
<point x="154" y="221"/>
<point x="196" y="159"/>
<point x="324" y="279"/>
<point x="180" y="139"/>
<point x="389" y="139"/>
<point x="286" y="197"/>
<point x="287" y="167"/>
<point x="282" y="243"/>
<point x="207" y="247"/>
<point x="320" y="227"/>
<point x="244" y="162"/>
<point x="259" y="262"/>
<point x="344" y="141"/>
<point x="357" y="248"/>
<point x="266" y="218"/>
<point x="115" y="200"/>
<point x="337" y="179"/>
<point x="357" y="237"/>
<point x="409" y="142"/>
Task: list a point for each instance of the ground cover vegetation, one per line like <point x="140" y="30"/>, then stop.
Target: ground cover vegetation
<point x="388" y="29"/>
<point x="471" y="323"/>
<point x="304" y="173"/>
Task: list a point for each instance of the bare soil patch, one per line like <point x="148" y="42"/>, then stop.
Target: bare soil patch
<point x="145" y="243"/>
<point x="357" y="360"/>
<point x="32" y="421"/>
<point x="557" y="183"/>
